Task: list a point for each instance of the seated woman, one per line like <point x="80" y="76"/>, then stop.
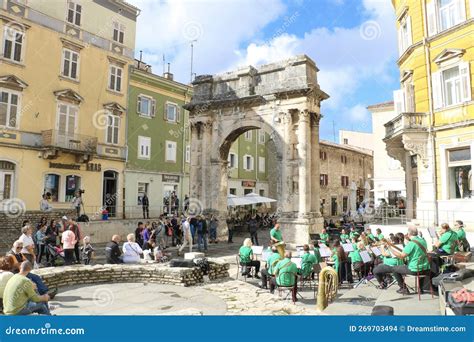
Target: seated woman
<point x="342" y="264"/>
<point x="246" y="258"/>
<point x="344" y="236"/>
<point x="131" y="250"/>
<point x="356" y="260"/>
<point x="307" y="262"/>
<point x="386" y="267"/>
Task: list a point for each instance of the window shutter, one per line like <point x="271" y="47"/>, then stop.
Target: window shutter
<point x="410" y="38"/>
<point x="466" y="90"/>
<point x="471" y="8"/>
<point x="410" y="97"/>
<point x="461" y="11"/>
<point x="399" y="101"/>
<point x="432" y="18"/>
<point x="139" y="105"/>
<point x="437" y="90"/>
<point x="153" y="108"/>
<point x="400" y="39"/>
<point x="178" y="114"/>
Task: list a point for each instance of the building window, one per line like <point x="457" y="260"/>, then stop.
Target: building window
<point x="73" y="184"/>
<point x="113" y="127"/>
<point x="7" y="174"/>
<point x="323" y="179"/>
<point x="248" y="163"/>
<point x="171" y="151"/>
<point x="171" y="112"/>
<point x="460" y="173"/>
<point x="261" y="192"/>
<point x="345" y="181"/>
<point x="344" y="203"/>
<point x="74" y="13"/>
<point x="344" y="159"/>
<point x="261" y="137"/>
<point x="119" y="32"/>
<point x="67" y="118"/>
<point x="9" y="108"/>
<point x="404" y="34"/>
<point x="51" y="186"/>
<point x="141" y="191"/>
<point x="323" y="155"/>
<point x="247" y="191"/>
<point x="233" y="161"/>
<point x="115" y="79"/>
<point x="451" y="12"/>
<point x="188" y="154"/>
<point x="414" y="161"/>
<point x="233" y="191"/>
<point x="346" y="141"/>
<point x="70" y="64"/>
<point x="452" y="86"/>
<point x="146" y="105"/>
<point x="248" y="135"/>
<point x="144" y="147"/>
<point x="13" y="43"/>
<point x="261" y="164"/>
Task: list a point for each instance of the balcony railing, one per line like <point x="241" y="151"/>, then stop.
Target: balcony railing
<point x="73" y="142"/>
<point x="406" y="121"/>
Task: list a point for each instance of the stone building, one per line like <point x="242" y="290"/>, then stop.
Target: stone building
<point x="345" y="175"/>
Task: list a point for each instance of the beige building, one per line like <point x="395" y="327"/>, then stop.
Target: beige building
<point x="357" y="139"/>
<point x="389" y="176"/>
<point x="345" y="174"/>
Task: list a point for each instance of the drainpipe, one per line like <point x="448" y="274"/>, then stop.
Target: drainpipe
<point x="431" y="133"/>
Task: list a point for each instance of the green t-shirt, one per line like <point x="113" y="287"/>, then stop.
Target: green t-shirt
<point x="448" y="241"/>
<point x="272" y="261"/>
<point x="287" y="272"/>
<point x="344" y="237"/>
<point x="354" y="245"/>
<point x="276" y="234"/>
<point x="245" y="254"/>
<point x="380" y="237"/>
<point x="18" y="292"/>
<point x="355" y="256"/>
<point x="371" y="237"/>
<point x="317" y="255"/>
<point x="307" y="262"/>
<point x="389" y="261"/>
<point x="416" y="256"/>
<point x="324" y="237"/>
<point x="335" y="258"/>
<point x="461" y="234"/>
<point x="353" y="234"/>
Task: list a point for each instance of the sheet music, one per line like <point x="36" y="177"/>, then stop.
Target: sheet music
<point x="376" y="251"/>
<point x="297" y="261"/>
<point x="365" y="257"/>
<point x="257" y="250"/>
<point x="322" y="245"/>
<point x="348" y="247"/>
<point x="325" y="252"/>
<point x="300" y="253"/>
<point x="432" y="232"/>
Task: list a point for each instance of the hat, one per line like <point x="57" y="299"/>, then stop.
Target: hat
<point x="64" y="217"/>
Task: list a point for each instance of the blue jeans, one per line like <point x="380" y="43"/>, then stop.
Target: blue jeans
<point x="40" y="308"/>
<point x="213" y="234"/>
<point x="193" y="230"/>
<point x="202" y="241"/>
<point x="40" y="285"/>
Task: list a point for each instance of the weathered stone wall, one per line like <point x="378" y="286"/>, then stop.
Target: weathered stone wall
<point x="10" y="226"/>
<point x="150" y="273"/>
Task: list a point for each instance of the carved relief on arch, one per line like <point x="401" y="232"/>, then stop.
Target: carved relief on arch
<point x="418" y="147"/>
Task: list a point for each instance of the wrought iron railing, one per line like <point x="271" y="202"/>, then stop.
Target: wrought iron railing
<point x="73" y="142"/>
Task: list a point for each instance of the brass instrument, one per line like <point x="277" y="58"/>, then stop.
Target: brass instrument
<point x="327" y="289"/>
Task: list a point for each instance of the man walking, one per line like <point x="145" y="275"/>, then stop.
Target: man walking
<point x="213" y="224"/>
<point x="145" y="206"/>
<point x="187" y="239"/>
<point x="253" y="230"/>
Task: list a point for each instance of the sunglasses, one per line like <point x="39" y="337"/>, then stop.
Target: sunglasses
<point x="19" y="247"/>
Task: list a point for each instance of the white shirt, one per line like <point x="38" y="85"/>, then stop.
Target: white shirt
<point x="186" y="229"/>
<point x="131" y="252"/>
<point x="27" y="241"/>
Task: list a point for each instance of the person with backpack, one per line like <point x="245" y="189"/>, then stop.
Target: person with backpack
<point x="290" y="271"/>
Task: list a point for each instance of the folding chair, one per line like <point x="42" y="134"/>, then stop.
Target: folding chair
<point x="287" y="276"/>
<point x="242" y="267"/>
<point x="419" y="276"/>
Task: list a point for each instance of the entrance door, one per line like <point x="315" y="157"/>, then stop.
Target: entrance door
<point x="109" y="200"/>
<point x="169" y="198"/>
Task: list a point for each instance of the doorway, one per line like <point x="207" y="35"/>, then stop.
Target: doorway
<point x="109" y="197"/>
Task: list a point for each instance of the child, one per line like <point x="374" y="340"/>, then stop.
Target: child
<point x="87" y="250"/>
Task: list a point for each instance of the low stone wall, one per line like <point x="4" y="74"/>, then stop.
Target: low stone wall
<point x="149" y="273"/>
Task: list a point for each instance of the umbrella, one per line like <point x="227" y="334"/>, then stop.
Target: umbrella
<point x="234" y="201"/>
<point x="255" y="198"/>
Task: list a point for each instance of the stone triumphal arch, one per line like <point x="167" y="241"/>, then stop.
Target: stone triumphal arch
<point x="283" y="99"/>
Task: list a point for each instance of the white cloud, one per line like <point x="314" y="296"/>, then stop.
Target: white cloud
<point x="358" y="113"/>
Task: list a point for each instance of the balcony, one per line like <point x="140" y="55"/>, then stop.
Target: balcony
<point x="406" y="122"/>
<point x="84" y="146"/>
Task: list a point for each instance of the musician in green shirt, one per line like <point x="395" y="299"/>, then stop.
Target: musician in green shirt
<point x="344" y="236"/>
<point x="324" y="236"/>
<point x="447" y="240"/>
<point x="307" y="262"/>
<point x="317" y="253"/>
<point x="285" y="274"/>
<point x="415" y="253"/>
<point x="246" y="258"/>
<point x="370" y="236"/>
<point x="276" y="239"/>
<point x="462" y="244"/>
<point x="357" y="264"/>
<point x="267" y="272"/>
<point x="380" y="236"/>
<point x="381" y="270"/>
<point x="354" y="233"/>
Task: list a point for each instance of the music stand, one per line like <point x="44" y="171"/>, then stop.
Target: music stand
<point x="368" y="278"/>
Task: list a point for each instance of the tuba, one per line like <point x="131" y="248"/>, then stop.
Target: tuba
<point x="327" y="288"/>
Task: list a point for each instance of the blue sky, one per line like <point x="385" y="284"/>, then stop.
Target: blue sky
<point x="352" y="42"/>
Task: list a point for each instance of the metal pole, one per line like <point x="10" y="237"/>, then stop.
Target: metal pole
<point x="192" y="57"/>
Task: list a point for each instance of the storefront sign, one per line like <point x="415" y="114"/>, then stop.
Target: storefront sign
<point x="64" y="166"/>
<point x="170" y="178"/>
<point x="248" y="184"/>
<point x="94" y="167"/>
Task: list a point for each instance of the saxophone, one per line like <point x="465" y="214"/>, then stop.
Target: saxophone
<point x="327" y="288"/>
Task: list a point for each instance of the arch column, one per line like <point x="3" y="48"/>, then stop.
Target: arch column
<point x="206" y="189"/>
<point x="315" y="169"/>
<point x="304" y="166"/>
<point x="195" y="174"/>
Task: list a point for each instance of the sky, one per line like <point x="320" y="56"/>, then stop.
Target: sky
<point x="353" y="43"/>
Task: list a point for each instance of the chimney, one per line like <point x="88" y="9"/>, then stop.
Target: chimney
<point x="168" y="75"/>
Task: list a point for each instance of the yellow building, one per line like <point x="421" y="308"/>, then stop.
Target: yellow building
<point x="433" y="134"/>
<point x="63" y="99"/>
